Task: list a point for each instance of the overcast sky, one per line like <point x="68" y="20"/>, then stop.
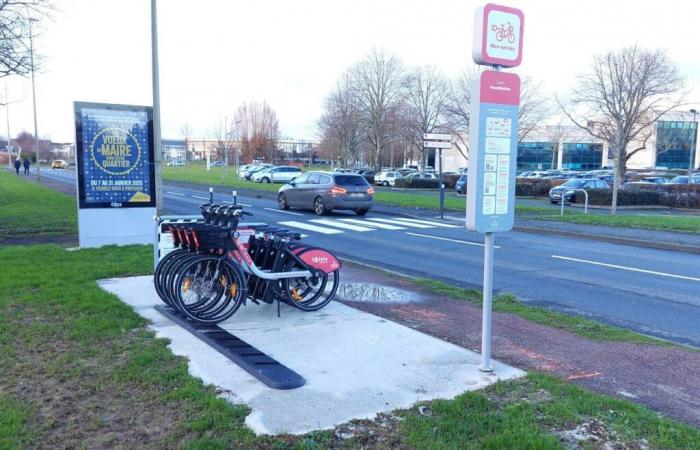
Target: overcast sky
<point x="215" y="54"/>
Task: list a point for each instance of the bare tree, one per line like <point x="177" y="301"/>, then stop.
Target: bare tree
<point x="624" y="93"/>
<point x="257" y="127"/>
<point x="457" y="110"/>
<point x="340" y="123"/>
<point x="534" y="107"/>
<point x="426" y="98"/>
<point x="377" y="83"/>
<point x="16" y="17"/>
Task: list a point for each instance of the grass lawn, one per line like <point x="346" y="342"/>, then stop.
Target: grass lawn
<point x="688" y="224"/>
<point x="199" y="174"/>
<point x="29" y="208"/>
<point x="81" y="370"/>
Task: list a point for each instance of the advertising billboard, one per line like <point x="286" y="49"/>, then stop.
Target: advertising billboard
<point x="114" y="156"/>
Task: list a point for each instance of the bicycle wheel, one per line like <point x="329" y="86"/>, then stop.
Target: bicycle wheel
<point x="162" y="268"/>
<point x="310" y="294"/>
<point x="210" y="289"/>
<point x="173" y="271"/>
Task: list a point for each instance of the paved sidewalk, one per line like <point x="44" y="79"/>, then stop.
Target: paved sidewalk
<point x="663" y="378"/>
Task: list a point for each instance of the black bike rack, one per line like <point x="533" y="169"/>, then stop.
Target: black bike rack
<point x="266" y="369"/>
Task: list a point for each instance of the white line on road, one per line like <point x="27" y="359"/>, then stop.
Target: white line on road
<point x="426" y="222"/>
<point x="631" y="269"/>
<point x="383" y="226"/>
<point x="308" y="226"/>
<point x="174" y="193"/>
<point x="346" y="226"/>
<point x="201" y="198"/>
<point x="396" y="222"/>
<point x="283" y="212"/>
<point x="238" y="203"/>
<point x="459" y="241"/>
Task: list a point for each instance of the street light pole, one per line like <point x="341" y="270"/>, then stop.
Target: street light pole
<point x="36" y="128"/>
<point x="156" y="105"/>
<point x="7" y="117"/>
<point x="693" y="150"/>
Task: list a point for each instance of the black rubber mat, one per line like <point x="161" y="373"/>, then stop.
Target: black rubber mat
<point x="249" y="358"/>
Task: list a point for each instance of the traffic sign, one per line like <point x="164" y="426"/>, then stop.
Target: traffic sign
<point x="437" y="144"/>
<point x="437" y="137"/>
<point x="498" y="35"/>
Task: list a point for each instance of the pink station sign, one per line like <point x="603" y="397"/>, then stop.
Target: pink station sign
<point x="498" y="35"/>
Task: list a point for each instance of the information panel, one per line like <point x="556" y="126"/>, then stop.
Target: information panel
<point x="493" y="141"/>
<point x="115" y="157"/>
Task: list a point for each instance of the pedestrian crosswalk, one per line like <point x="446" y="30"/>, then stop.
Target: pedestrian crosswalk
<point x="337" y="226"/>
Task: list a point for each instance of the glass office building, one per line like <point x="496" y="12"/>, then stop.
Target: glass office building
<point x="537" y="156"/>
<point x="674" y="144"/>
<point x="582" y="156"/>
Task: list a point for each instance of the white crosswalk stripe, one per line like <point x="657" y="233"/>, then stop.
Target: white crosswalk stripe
<point x="397" y="222"/>
<point x="337" y="224"/>
<point x="382" y="226"/>
<point x="310" y="227"/>
<point x="426" y="222"/>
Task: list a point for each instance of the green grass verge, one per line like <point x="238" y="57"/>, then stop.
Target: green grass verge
<point x="29" y="208"/>
<point x="215" y="177"/>
<point x="508" y="303"/>
<point x="81" y="370"/>
<point x="688" y="224"/>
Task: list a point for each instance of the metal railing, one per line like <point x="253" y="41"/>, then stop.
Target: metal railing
<point x="571" y="191"/>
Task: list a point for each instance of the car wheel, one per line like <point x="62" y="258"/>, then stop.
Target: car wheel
<point x="385" y="183"/>
<point x="553" y="202"/>
<point x="265" y="180"/>
<point x="320" y="207"/>
<point x="282" y="201"/>
<point x="361" y="212"/>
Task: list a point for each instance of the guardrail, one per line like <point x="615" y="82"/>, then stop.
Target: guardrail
<point x="569" y="191"/>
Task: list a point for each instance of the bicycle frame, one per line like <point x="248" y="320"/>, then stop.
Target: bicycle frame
<point x="241" y="256"/>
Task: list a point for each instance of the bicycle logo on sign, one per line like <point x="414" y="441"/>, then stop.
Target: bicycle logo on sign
<point x="504" y="32"/>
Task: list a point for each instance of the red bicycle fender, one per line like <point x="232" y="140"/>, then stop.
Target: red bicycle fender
<point x="320" y="259"/>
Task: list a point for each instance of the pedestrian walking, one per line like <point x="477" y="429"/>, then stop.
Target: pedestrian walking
<point x="26" y="166"/>
<point x="18" y="164"/>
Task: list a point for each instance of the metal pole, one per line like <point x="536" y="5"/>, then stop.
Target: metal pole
<point x="693" y="150"/>
<point x="487" y="305"/>
<point x="442" y="185"/>
<point x="562" y="204"/>
<point x="36" y="128"/>
<point x="156" y="105"/>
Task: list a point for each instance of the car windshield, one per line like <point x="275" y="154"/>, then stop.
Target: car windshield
<point x="574" y="183"/>
<point x="350" y="180"/>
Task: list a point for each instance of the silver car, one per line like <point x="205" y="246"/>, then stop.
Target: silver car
<point x="324" y="191"/>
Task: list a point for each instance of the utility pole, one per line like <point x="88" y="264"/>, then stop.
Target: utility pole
<point x="156" y="106"/>
<point x="36" y="128"/>
<point x="7" y="117"/>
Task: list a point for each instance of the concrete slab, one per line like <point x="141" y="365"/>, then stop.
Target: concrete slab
<point x="356" y="364"/>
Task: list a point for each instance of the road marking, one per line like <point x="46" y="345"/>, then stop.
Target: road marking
<point x="426" y="222"/>
<point x="238" y="203"/>
<point x="283" y="212"/>
<point x="396" y="222"/>
<point x="459" y="241"/>
<point x="346" y="226"/>
<point x="201" y="198"/>
<point x="631" y="269"/>
<point x="376" y="225"/>
<point x="308" y="226"/>
<point x="175" y="193"/>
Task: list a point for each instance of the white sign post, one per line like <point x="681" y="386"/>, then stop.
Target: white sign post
<point x="439" y="141"/>
<point x="493" y="138"/>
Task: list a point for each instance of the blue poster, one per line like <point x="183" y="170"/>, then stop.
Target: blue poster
<point x="114" y="156"/>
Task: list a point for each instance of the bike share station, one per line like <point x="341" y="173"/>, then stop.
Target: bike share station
<point x="250" y="305"/>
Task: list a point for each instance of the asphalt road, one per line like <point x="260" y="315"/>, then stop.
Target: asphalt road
<point x="653" y="291"/>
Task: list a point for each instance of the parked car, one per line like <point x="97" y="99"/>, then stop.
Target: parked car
<point x="405" y="171"/>
<point x="680" y="179"/>
<point x="325" y="191"/>
<point x="461" y="184"/>
<point x="176" y="164"/>
<point x="369" y="175"/>
<point x="277" y="174"/>
<point x="217" y="164"/>
<point x="59" y="164"/>
<point x="387" y="178"/>
<point x="422" y="176"/>
<point x="648" y="180"/>
<point x="248" y="173"/>
<point x="556" y="193"/>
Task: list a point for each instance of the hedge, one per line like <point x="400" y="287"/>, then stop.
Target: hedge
<point x="535" y="187"/>
<point x="420" y="183"/>
<point x="673" y="196"/>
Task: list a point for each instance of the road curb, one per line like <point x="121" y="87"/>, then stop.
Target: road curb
<point x="610" y="239"/>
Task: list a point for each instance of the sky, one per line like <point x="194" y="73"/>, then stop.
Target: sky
<point x="216" y="54"/>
